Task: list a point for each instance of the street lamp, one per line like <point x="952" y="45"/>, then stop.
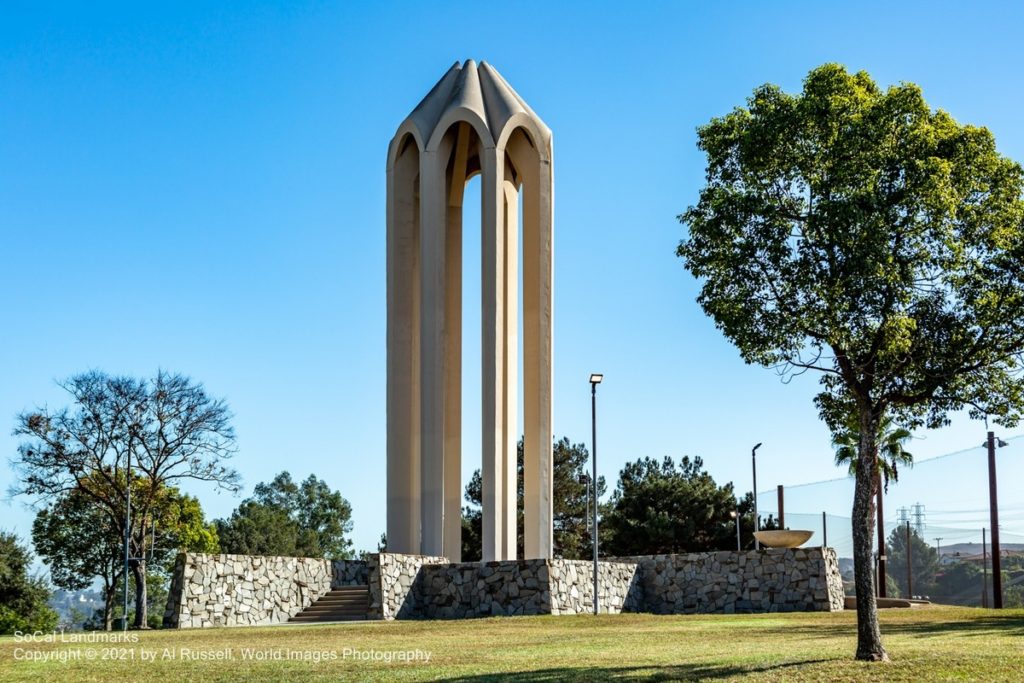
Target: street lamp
<point x="735" y="514"/>
<point x="595" y="379"/>
<point x="132" y="433"/>
<point x="753" y="461"/>
<point x="585" y="481"/>
<point x="127" y="526"/>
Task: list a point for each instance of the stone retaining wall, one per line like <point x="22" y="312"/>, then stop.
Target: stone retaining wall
<point x="392" y="580"/>
<point x="247" y="590"/>
<point x="473" y="589"/>
<point x="768" y="580"/>
<point x="225" y="590"/>
<point x="349" y="573"/>
<point x="522" y="587"/>
<point x="572" y="587"/>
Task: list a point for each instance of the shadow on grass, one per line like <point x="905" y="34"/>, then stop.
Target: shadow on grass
<point x="1001" y="624"/>
<point x="679" y="672"/>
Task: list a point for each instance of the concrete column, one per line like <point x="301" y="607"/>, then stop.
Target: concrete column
<point x="453" y="350"/>
<point x="497" y="489"/>
<point x="510" y="422"/>
<point x="433" y="211"/>
<point x="538" y="323"/>
<point x="403" y="339"/>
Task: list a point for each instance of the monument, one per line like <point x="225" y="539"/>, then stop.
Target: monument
<point x="471" y="122"/>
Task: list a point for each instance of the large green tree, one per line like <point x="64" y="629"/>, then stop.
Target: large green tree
<point x="571" y="506"/>
<point x="924" y="562"/>
<point x="75" y="538"/>
<point x="668" y="507"/>
<point x="166" y="427"/>
<point x="287" y="518"/>
<point x="23" y="597"/>
<point x="854" y="231"/>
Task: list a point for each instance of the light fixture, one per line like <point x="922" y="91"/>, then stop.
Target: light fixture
<point x="753" y="463"/>
<point x="595" y="379"/>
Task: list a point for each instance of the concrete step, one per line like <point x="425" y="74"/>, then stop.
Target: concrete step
<point x="317" y="609"/>
<point x="348" y="603"/>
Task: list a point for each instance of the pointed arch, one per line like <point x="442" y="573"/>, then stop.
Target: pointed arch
<point x="451" y="135"/>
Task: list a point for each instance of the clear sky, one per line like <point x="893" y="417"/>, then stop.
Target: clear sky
<point x="201" y="188"/>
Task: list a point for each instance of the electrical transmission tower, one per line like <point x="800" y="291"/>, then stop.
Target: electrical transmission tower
<point x="919" y="519"/>
<point x="903" y="514"/>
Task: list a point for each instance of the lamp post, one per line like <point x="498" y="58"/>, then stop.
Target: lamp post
<point x="132" y="429"/>
<point x="585" y="480"/>
<point x="753" y="461"/>
<point x="127" y="528"/>
<point x="735" y="514"/>
<point x="595" y="379"/>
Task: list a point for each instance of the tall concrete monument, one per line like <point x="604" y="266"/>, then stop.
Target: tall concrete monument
<point x="471" y="122"/>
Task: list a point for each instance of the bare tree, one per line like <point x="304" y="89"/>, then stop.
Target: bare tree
<point x="167" y="427"/>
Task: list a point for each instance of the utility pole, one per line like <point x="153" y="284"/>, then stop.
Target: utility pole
<point x="881" y="537"/>
<point x="824" y="530"/>
<point x="938" y="548"/>
<point x="997" y="578"/>
<point x="910" y="564"/>
<point x="984" y="571"/>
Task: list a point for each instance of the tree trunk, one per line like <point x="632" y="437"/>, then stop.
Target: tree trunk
<point x="869" y="637"/>
<point x="139" y="574"/>
<point x="108" y="611"/>
<point x="109" y="587"/>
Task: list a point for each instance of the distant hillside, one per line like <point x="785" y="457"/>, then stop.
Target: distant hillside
<point x="75" y="607"/>
<point x="952" y="550"/>
<point x="967" y="549"/>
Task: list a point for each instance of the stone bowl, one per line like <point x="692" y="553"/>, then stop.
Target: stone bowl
<point x="783" y="538"/>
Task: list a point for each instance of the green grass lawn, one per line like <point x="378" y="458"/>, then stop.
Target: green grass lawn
<point x="928" y="644"/>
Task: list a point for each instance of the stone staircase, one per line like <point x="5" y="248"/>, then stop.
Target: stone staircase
<point x="348" y="603"/>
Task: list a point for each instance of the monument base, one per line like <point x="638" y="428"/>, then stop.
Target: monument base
<point x="216" y="590"/>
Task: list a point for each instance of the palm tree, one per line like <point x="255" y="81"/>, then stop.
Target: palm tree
<point x="891" y="453"/>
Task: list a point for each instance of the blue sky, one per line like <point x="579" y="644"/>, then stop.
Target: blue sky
<point x="201" y="188"/>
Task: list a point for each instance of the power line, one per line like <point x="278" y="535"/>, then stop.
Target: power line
<point x="916" y="463"/>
